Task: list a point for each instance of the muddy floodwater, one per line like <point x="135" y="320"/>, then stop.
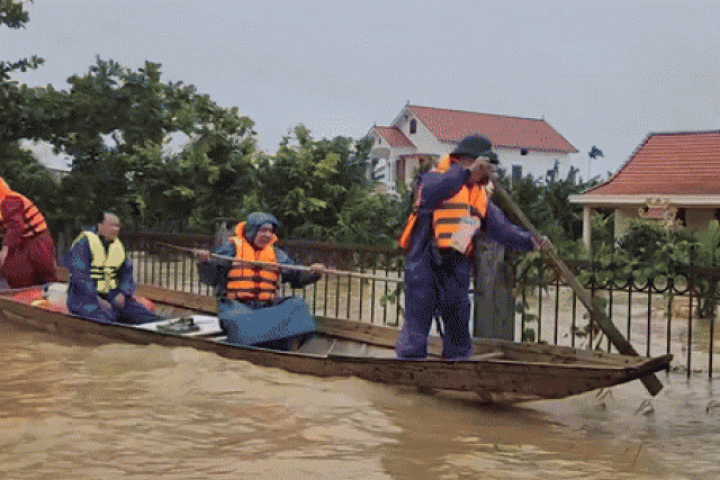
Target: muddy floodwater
<point x="93" y="410"/>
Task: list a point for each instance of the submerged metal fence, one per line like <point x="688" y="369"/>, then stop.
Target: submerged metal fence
<point x="334" y="296"/>
<point x="657" y="315"/>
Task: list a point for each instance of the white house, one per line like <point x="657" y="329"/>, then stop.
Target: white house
<point x="419" y="135"/>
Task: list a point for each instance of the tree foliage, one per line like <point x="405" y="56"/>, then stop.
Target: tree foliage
<point x="25" y="174"/>
<point x="547" y="205"/>
<point x="320" y="190"/>
<point x="112" y="122"/>
<point x="18" y="167"/>
<point x="13" y="14"/>
<point x="18" y="103"/>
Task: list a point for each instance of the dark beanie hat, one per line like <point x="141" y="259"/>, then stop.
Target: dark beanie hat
<point x="257" y="219"/>
<point x="475" y="146"/>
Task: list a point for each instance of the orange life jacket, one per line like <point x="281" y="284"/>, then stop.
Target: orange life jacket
<point x="249" y="282"/>
<point x="405" y="240"/>
<point x="32" y="218"/>
<point x="470" y="200"/>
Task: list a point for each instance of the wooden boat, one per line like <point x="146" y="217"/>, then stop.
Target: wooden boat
<point x="499" y="371"/>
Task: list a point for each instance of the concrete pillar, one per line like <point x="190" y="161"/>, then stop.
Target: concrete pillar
<point x="494" y="302"/>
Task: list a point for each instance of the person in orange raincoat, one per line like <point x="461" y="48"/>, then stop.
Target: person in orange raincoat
<point x="27" y="256"/>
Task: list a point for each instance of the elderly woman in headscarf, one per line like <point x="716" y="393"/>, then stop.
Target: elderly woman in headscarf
<point x="249" y="308"/>
<point x="27" y="256"/>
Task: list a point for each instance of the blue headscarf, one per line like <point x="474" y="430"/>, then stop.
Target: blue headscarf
<point x="256" y="220"/>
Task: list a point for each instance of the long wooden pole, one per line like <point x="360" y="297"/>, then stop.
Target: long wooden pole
<point x="281" y="266"/>
<point x="503" y="200"/>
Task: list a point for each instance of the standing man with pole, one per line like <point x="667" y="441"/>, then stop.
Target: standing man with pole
<point x="451" y="206"/>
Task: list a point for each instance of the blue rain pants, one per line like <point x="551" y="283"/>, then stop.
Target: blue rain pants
<point x="438" y="282"/>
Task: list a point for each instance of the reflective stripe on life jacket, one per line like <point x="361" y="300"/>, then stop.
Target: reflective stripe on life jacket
<point x="469" y="201"/>
<point x="252" y="282"/>
<point x="33" y="220"/>
<point x="105" y="264"/>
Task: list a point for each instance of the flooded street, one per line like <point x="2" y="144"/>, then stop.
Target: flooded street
<point x="110" y="410"/>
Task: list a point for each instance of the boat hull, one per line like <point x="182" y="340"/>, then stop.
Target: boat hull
<point x="498" y="372"/>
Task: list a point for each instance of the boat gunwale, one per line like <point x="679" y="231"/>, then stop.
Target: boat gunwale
<point x="596" y="360"/>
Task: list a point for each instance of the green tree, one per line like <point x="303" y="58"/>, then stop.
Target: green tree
<point x="18" y="103"/>
<point x="546" y="204"/>
<point x="647" y="253"/>
<point x="12" y="14"/>
<point x="23" y="113"/>
<point x="321" y="190"/>
<point x="113" y="122"/>
<point x="188" y="191"/>
<point x="26" y="175"/>
<point x="305" y="184"/>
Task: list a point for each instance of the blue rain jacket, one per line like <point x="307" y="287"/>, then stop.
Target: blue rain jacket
<point x="437" y="281"/>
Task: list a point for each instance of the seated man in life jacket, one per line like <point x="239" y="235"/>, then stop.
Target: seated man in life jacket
<point x="27" y="256"/>
<point x="101" y="276"/>
<point x="249" y="308"/>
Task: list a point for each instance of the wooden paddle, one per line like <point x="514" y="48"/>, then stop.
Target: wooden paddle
<point x="281" y="266"/>
<point x="503" y="200"/>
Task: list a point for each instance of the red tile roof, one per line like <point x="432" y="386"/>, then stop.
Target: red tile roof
<point x="451" y="126"/>
<point x="394" y="137"/>
<point x="684" y="163"/>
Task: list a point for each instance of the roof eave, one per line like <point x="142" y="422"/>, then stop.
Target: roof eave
<point x="591" y="200"/>
<point x="446" y="141"/>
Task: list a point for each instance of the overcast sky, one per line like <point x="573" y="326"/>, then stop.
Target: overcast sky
<point x="603" y="73"/>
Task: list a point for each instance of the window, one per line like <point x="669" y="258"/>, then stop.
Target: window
<point x="680" y="216"/>
<point x="413" y="126"/>
<point x="516" y="172"/>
